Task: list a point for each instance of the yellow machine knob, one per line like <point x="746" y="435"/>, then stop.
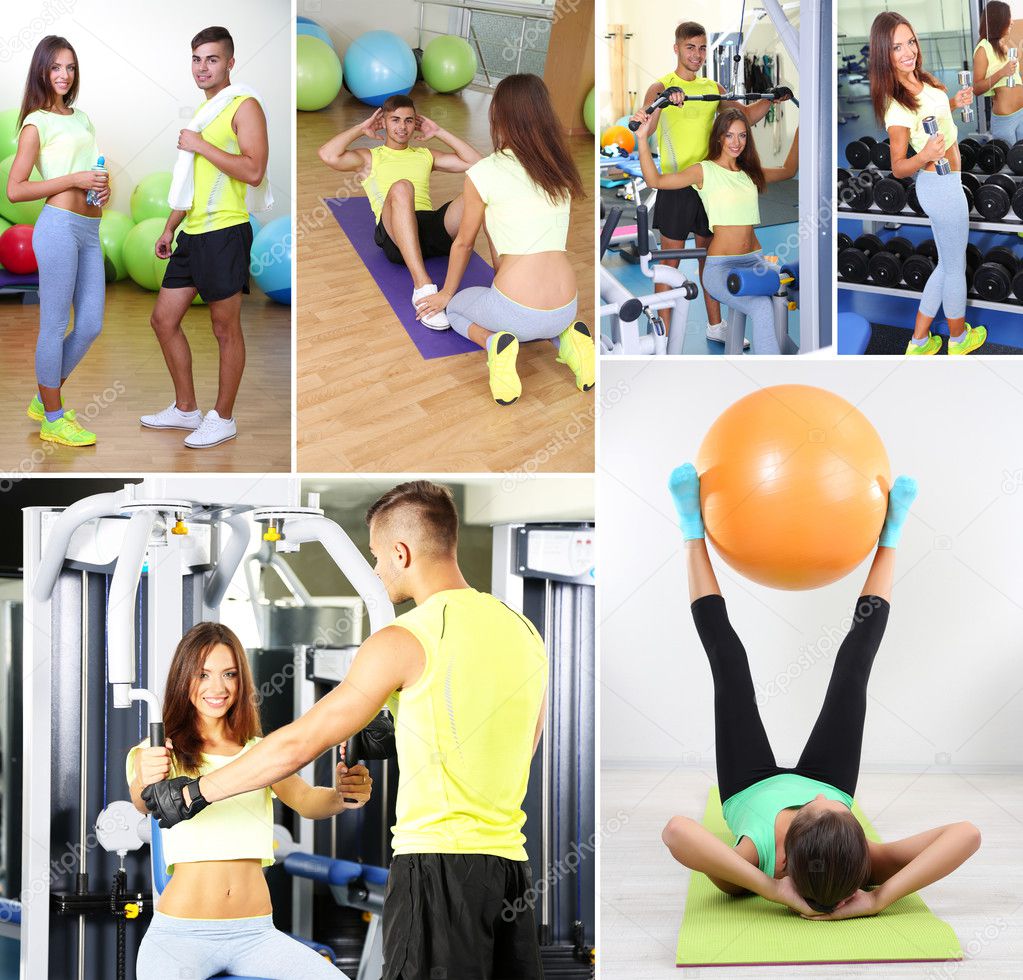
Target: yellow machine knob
<point x="179" y="528"/>
<point x="131" y="910"/>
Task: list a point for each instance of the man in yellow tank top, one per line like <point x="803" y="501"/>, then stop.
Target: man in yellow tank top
<point x="211" y="253"/>
<point x="466" y="678"/>
<point x="683" y="134"/>
<point x="396" y="178"/>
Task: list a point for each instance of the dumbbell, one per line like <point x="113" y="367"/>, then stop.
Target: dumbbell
<point x="929" y="250"/>
<point x="858" y="151"/>
<point x="885" y="267"/>
<point x="995" y="196"/>
<point x="843" y="241"/>
<point x="970" y="187"/>
<point x="1015" y="158"/>
<point x="992" y="155"/>
<point x="881" y="154"/>
<point x="974" y="259"/>
<point x="891" y="194"/>
<point x="993" y="278"/>
<point x="856" y="191"/>
<point x="853" y="261"/>
<point x="968" y="150"/>
<point x="917" y="268"/>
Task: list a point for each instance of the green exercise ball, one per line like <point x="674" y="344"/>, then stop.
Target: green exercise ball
<point x="149" y="199"/>
<point x="449" y="63"/>
<point x="22" y="212"/>
<point x="8" y="132"/>
<point x="317" y="73"/>
<point x="139" y="253"/>
<point x="113" y="229"/>
<point x="588" y="107"/>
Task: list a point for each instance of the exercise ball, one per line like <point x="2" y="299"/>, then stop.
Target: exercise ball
<point x="449" y="63"/>
<point x="16" y="253"/>
<point x="270" y="259"/>
<point x="113" y="229"/>
<point x="588" y="107"/>
<point x="317" y="74"/>
<point x="139" y="252"/>
<point x="149" y="199"/>
<point x="22" y="212"/>
<point x="314" y="30"/>
<point x="620" y="135"/>
<point x="304" y="20"/>
<point x="378" y="65"/>
<point x="794" y="486"/>
<point x="8" y="132"/>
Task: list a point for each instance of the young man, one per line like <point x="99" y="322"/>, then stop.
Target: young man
<point x="465" y="677"/>
<point x="211" y="256"/>
<point x="396" y="178"/>
<point x="683" y="134"/>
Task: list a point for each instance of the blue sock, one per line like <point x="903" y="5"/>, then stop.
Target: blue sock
<point x="489" y="339"/>
<point x="920" y="342"/>
<point x="53" y="416"/>
<point x="900" y="499"/>
<point x="684" y="484"/>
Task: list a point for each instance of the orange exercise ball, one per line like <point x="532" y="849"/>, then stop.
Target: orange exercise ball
<point x="620" y="135"/>
<point x="794" y="486"/>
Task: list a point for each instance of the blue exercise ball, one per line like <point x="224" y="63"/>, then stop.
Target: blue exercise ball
<point x="270" y="259"/>
<point x="314" y="30"/>
<point x="378" y="65"/>
<point x="305" y="20"/>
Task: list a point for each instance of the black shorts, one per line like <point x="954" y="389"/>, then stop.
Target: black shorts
<point x="679" y="213"/>
<point x="460" y="917"/>
<point x="215" y="262"/>
<point x="434" y="239"/>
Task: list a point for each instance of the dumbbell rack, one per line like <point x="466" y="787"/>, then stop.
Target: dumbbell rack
<point x="907" y="293"/>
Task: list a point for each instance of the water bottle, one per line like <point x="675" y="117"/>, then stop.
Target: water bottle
<point x="91" y="197"/>
<point x="942" y="166"/>
<point x="1010" y="82"/>
<point x="965" y="81"/>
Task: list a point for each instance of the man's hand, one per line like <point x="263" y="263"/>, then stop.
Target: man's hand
<point x="166" y="800"/>
<point x="163" y="245"/>
<point x="189" y="139"/>
<point x="858" y="904"/>
<point x="353" y="786"/>
<point x="427" y="128"/>
<point x="374" y="126"/>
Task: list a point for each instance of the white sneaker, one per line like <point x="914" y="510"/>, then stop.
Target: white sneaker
<point x="720" y="334"/>
<point x="435" y="321"/>
<point x="172" y="418"/>
<point x="213" y="431"/>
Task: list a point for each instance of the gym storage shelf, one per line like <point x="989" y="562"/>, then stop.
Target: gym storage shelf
<point x="977" y="303"/>
<point x="909" y="218"/>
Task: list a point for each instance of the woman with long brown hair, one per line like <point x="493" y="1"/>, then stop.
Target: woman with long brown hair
<point x="904" y="96"/>
<point x="523" y="191"/>
<point x="215" y="915"/>
<point x="993" y="70"/>
<point x="728" y="181"/>
<point x="59" y="139"/>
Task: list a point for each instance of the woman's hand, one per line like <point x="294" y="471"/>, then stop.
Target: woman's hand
<point x="154" y="764"/>
<point x="647" y="123"/>
<point x="353" y="786"/>
<point x="963" y="97"/>
<point x="434" y="303"/>
<point x="104" y="195"/>
<point x="1007" y="70"/>
<point x="89" y="180"/>
<point x="858" y="904"/>
<point x="934" y="148"/>
<point x="785" y="894"/>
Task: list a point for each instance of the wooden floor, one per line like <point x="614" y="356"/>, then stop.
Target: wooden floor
<point x="124" y="376"/>
<point x="366" y="399"/>
<point x="643" y="889"/>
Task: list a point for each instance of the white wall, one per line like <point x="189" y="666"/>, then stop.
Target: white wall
<point x="136" y="80"/>
<point x="947" y="684"/>
<point x="854" y="17"/>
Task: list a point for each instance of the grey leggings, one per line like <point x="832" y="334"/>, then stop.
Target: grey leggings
<point x="759" y="310"/>
<point x="945" y="203"/>
<point x="492" y="310"/>
<point x="70" y="260"/>
<point x="1008" y="128"/>
<point x="194" y="949"/>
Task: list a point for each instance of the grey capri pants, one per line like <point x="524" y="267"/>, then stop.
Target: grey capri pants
<point x="492" y="310"/>
<point x="759" y="310"/>
<point x="945" y="203"/>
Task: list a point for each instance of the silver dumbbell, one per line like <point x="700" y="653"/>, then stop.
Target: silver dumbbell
<point x="942" y="166"/>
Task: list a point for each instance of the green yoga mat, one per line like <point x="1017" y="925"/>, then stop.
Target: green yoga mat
<point x="722" y="930"/>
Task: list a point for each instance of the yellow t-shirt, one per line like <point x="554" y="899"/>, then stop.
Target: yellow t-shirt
<point x="521" y="218"/>
<point x="414" y="164"/>
<point x="683" y="131"/>
<point x="933" y="102"/>
<point x="729" y="197"/>
<point x="218" y="201"/>
<point x="464" y="730"/>
<point x="67" y="144"/>
<point x="228" y="830"/>
<point x="994" y="62"/>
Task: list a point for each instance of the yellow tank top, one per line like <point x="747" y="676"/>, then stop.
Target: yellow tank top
<point x="464" y="730"/>
<point x="994" y="62"/>
<point x="933" y="102"/>
<point x="414" y="164"/>
<point x="683" y="132"/>
<point x="729" y="197"/>
<point x="218" y="201"/>
<point x="67" y="144"/>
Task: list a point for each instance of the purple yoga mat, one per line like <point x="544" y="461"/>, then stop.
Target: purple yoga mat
<point x="11" y="280"/>
<point x="355" y="217"/>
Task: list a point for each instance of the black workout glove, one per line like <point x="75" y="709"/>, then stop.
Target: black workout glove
<point x="781" y="92"/>
<point x="375" y="741"/>
<point x="166" y="800"/>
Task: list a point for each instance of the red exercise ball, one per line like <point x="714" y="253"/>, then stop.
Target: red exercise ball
<point x="16" y="253"/>
<point x="794" y="486"/>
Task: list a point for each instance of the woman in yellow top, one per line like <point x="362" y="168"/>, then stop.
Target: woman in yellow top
<point x="728" y="181"/>
<point x="60" y="140"/>
<point x="993" y="69"/>
<point x="523" y="191"/>
<point x="215" y="914"/>
<point x="904" y="96"/>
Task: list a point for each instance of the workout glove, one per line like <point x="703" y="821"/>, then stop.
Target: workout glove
<point x="375" y="741"/>
<point x="166" y="800"/>
<point x="684" y="484"/>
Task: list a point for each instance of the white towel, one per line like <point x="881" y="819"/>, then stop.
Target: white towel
<point x="182" y="183"/>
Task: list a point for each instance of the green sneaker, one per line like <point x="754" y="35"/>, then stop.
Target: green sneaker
<point x="505" y="385"/>
<point x="575" y="348"/>
<point x="65" y="432"/>
<point x="932" y="346"/>
<point x="37" y="412"/>
<point x="974" y="338"/>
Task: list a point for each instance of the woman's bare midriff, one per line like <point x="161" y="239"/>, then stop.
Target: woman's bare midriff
<point x="73" y="199"/>
<point x="733" y="240"/>
<point x="542" y="280"/>
<point x="1005" y="101"/>
<point x="216" y="890"/>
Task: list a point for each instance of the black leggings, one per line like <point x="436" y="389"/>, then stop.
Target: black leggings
<point x="832" y="752"/>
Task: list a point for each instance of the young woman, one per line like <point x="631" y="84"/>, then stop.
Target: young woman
<point x="215" y="913"/>
<point x="903" y="95"/>
<point x="728" y="182"/>
<point x="797" y="843"/>
<point x="523" y="191"/>
<point x="60" y="141"/>
<point x="992" y="69"/>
